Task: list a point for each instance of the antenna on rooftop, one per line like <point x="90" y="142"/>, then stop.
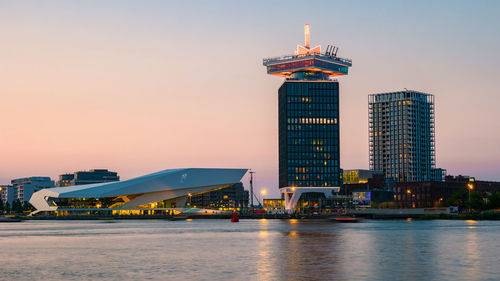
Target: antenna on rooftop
<point x="331" y="50"/>
<point x="307" y="35"/>
<point x="328" y="51"/>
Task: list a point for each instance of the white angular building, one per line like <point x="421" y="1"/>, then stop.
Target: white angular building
<point x="154" y="192"/>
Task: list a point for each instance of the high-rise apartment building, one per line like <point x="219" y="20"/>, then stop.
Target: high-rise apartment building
<point x="402" y="138"/>
<point x="308" y="117"/>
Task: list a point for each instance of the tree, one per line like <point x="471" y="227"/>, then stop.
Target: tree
<point x="476" y="201"/>
<point x="13" y="208"/>
<point x="459" y="198"/>
<point x="494" y="200"/>
<point x="2" y="206"/>
<point x="17" y="207"/>
<point x="7" y="207"/>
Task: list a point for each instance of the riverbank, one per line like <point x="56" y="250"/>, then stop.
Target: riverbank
<point x="368" y="214"/>
<point x="175" y="217"/>
<point x="486" y="215"/>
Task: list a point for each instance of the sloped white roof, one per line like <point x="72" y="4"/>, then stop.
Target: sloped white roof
<point x="154" y="187"/>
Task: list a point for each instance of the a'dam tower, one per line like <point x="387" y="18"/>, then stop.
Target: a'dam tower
<point x="308" y="117"/>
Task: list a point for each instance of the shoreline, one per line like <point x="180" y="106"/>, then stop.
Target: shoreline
<point x="487" y="215"/>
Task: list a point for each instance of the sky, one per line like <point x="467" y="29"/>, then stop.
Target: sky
<point x="143" y="86"/>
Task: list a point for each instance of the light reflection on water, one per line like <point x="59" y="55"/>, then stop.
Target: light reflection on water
<point x="250" y="250"/>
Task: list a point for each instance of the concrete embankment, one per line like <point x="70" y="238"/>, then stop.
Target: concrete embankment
<point x="425" y="213"/>
<point x="178" y="217"/>
<point x="370" y="215"/>
<point x="398" y="213"/>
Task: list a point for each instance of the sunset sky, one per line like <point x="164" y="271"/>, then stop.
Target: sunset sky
<point x="142" y="86"/>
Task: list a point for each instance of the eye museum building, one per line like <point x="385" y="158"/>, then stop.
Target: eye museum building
<point x="156" y="193"/>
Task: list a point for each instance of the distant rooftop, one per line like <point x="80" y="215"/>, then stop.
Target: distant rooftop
<point x="401" y="95"/>
<point x="29" y="179"/>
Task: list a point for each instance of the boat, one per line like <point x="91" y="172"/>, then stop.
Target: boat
<point x="10" y="219"/>
<point x="178" y="218"/>
<point x="345" y="219"/>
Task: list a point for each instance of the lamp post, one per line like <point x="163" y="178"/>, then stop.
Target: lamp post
<point x="408" y="198"/>
<point x="262" y="193"/>
<point x="470" y="186"/>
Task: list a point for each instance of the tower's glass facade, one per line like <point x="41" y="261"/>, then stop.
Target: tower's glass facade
<point x="309" y="133"/>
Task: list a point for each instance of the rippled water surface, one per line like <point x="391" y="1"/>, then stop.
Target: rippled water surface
<point x="250" y="250"/>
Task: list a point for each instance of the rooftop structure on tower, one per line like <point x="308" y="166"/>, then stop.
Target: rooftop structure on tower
<point x="309" y="62"/>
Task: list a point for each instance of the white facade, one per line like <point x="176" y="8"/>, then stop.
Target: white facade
<point x="168" y="184"/>
<point x="292" y="194"/>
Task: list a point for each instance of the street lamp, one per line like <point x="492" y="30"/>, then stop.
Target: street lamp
<point x="470" y="186"/>
<point x="408" y="197"/>
<point x="262" y="193"/>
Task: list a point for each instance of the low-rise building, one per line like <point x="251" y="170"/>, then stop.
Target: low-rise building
<point x="436" y="193"/>
<point x="8" y="194"/>
<point x="88" y="177"/>
<point x="438" y="174"/>
<point x="359" y="175"/>
<point x="234" y="196"/>
<point x="65" y="180"/>
<point x="25" y="187"/>
<point x="274" y="206"/>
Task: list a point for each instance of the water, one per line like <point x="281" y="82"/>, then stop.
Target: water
<point x="250" y="250"/>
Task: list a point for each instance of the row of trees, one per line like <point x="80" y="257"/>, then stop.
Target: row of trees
<point x="478" y="201"/>
<point x="17" y="207"/>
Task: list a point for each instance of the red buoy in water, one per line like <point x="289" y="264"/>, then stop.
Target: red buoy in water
<point x="234" y="217"/>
